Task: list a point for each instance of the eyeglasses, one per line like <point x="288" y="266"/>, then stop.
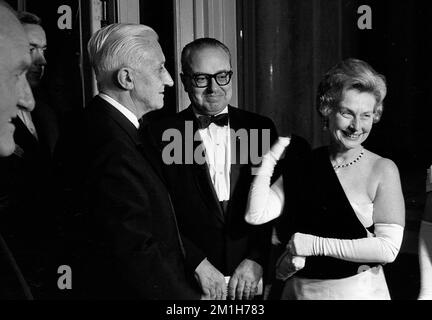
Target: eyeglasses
<point x="202" y="80"/>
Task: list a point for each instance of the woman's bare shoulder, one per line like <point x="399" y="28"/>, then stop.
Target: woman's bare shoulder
<point x="382" y="167"/>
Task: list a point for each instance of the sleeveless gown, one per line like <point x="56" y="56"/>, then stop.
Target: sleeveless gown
<point x="315" y="203"/>
<point x="368" y="284"/>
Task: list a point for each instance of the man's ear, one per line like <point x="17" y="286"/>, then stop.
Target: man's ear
<point x="124" y="79"/>
<point x="183" y="79"/>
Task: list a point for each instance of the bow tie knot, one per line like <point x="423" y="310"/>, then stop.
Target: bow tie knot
<point x="219" y="120"/>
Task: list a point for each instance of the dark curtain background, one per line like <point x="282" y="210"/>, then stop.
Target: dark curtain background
<point x="286" y="47"/>
<point x="160" y="16"/>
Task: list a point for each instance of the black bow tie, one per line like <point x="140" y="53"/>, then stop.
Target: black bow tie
<point x="219" y="120"/>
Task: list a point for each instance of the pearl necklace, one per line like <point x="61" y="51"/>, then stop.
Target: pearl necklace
<point x="349" y="163"/>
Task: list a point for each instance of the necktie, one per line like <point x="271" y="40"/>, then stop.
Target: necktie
<point x="219" y="120"/>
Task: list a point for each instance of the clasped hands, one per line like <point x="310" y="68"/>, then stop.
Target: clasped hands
<point x="293" y="259"/>
<point x="243" y="284"/>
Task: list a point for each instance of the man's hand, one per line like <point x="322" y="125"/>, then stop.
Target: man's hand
<point x="244" y="282"/>
<point x="212" y="282"/>
<point x="288" y="264"/>
<point x="301" y="244"/>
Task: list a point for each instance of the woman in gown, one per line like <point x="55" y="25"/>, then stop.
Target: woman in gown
<point x="340" y="209"/>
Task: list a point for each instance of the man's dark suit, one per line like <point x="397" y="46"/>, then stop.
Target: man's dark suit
<point x="136" y="249"/>
<point x="47" y="127"/>
<point x="28" y="211"/>
<point x="220" y="234"/>
<point x="12" y="283"/>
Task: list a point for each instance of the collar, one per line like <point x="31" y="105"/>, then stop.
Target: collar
<point x="125" y="111"/>
<point x="197" y="115"/>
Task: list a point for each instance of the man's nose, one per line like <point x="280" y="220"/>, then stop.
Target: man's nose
<point x="168" y="81"/>
<point x="25" y="98"/>
<point x="40" y="58"/>
<point x="213" y="85"/>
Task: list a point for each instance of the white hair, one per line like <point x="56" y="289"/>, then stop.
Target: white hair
<point x="119" y="45"/>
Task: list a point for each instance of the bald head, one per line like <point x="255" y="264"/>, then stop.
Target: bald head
<point x="8" y="21"/>
<point x="14" y="63"/>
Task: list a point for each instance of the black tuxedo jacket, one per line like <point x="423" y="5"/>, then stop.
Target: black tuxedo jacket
<point x="13" y="286"/>
<point x="29" y="211"/>
<point x="47" y="126"/>
<point x="209" y="231"/>
<point x="135" y="248"/>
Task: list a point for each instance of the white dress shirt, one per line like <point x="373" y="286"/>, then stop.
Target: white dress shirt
<point x="217" y="146"/>
<point x="125" y="111"/>
<point x="26" y="118"/>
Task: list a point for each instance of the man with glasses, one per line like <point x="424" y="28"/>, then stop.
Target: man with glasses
<point x="226" y="254"/>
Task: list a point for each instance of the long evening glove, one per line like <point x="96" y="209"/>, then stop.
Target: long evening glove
<point x="382" y="248"/>
<point x="265" y="203"/>
<point x="425" y="260"/>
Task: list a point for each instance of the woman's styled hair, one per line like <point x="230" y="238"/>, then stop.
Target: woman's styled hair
<point x="346" y="75"/>
<point x="119" y="45"/>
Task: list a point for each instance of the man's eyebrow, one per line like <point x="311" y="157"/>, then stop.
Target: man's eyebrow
<point x="210" y="74"/>
<point x="345" y="109"/>
<point x="32" y="44"/>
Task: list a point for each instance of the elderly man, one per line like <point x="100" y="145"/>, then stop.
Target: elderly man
<point x="14" y="92"/>
<point x="210" y="197"/>
<point x="30" y="168"/>
<point x="137" y="251"/>
<point x="15" y="60"/>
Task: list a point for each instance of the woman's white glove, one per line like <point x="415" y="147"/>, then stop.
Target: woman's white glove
<point x="270" y="159"/>
<point x="288" y="264"/>
<point x="425" y="260"/>
<point x="265" y="203"/>
<point x="383" y="248"/>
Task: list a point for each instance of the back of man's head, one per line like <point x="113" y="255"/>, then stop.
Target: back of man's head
<point x="118" y="45"/>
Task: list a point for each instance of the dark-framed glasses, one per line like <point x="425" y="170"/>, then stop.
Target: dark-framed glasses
<point x="202" y="80"/>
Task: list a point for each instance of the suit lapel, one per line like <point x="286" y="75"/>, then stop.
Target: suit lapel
<point x="201" y="174"/>
<point x="119" y="118"/>
<point x="24" y="138"/>
<point x="149" y="150"/>
<point x="141" y="137"/>
<point x="12" y="282"/>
